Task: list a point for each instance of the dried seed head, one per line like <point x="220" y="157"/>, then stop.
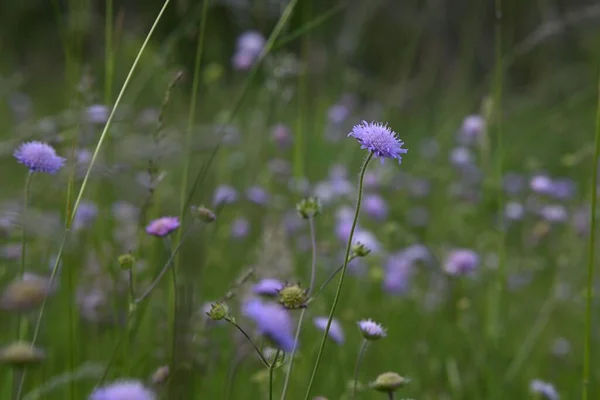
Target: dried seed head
<point x="21" y="354"/>
<point x="161" y="375"/>
<point x="309" y="207"/>
<point x="25" y="294"/>
<point x="203" y="214"/>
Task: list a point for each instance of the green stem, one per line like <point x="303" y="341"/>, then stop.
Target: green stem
<point x="23" y="243"/>
<point x="313" y="273"/>
<point x="271" y="370"/>
<point x="260" y="354"/>
<point x="361" y="353"/>
<point x="108" y="55"/>
<point x="589" y="293"/>
<point x="329" y="279"/>
<point x="390" y="395"/>
<point x="343" y="274"/>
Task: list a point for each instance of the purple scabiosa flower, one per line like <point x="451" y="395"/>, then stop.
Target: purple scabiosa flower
<point x="371" y="330"/>
<point x="541" y="184"/>
<point x="461" y="262"/>
<point x="514" y="210"/>
<point x="342" y="229"/>
<point x="123" y="390"/>
<point x="293" y="222"/>
<point x="242" y="60"/>
<point x="544" y="389"/>
<point x="250" y="41"/>
<point x="398" y="273"/>
<point x="272" y="321"/>
<point x="97" y="114"/>
<point x="513" y="183"/>
<point x="282" y="136"/>
<point x="338" y="113"/>
<point x="39" y="157"/>
<point x="335" y="330"/>
<point x="258" y="195"/>
<point x="372" y="180"/>
<point x="163" y="226"/>
<point x="561" y="347"/>
<point x="375" y="207"/>
<point x="85" y="215"/>
<point x="461" y="156"/>
<point x="268" y="287"/>
<point x="554" y="213"/>
<point x="379" y="139"/>
<point x="224" y="194"/>
<point x="472" y="128"/>
<point x="240" y="228"/>
<point x="563" y="189"/>
<point x="368" y="239"/>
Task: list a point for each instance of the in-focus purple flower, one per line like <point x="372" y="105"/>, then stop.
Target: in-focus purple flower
<point x="335" y="330"/>
<point x="379" y="139"/>
<point x="272" y="321"/>
<point x="224" y="194"/>
<point x="240" y="228"/>
<point x="123" y="390"/>
<point x="461" y="262"/>
<point x="544" y="389"/>
<point x="554" y="213"/>
<point x="39" y="157"/>
<point x="541" y="184"/>
<point x="375" y="207"/>
<point x="472" y="128"/>
<point x="268" y="287"/>
<point x="371" y="330"/>
<point x="258" y="195"/>
<point x="163" y="226"/>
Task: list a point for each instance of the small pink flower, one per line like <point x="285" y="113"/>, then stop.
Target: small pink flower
<point x="162" y="226"/>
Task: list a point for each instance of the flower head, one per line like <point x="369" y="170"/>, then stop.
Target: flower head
<point x="39" y="157"/>
<point x="335" y="330"/>
<point x="388" y="382"/>
<point x="123" y="390"/>
<point x="162" y="226"/>
<point x="461" y="262"/>
<point x="273" y="321"/>
<point x="371" y="330"/>
<point x="379" y="139"/>
<point x="268" y="287"/>
<point x="292" y="296"/>
<point x="21" y="354"/>
<point x="545" y="389"/>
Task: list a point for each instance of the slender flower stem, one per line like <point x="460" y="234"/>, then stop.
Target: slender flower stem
<point x="391" y="395"/>
<point x="329" y="279"/>
<point x="343" y="274"/>
<point x="23" y="242"/>
<point x="165" y="268"/>
<point x="589" y="293"/>
<point x="271" y="370"/>
<point x="260" y="354"/>
<point x="361" y="353"/>
<point x="313" y="273"/>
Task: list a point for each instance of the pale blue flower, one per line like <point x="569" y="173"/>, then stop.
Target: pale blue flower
<point x="272" y="321"/>
<point x="379" y="139"/>
<point x="123" y="390"/>
<point x="39" y="157"/>
<point x="335" y="330"/>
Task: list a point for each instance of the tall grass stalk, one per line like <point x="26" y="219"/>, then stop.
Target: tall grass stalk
<point x="272" y="367"/>
<point x="361" y="353"/>
<point x="313" y="274"/>
<point x="342" y="275"/>
<point x="103" y="136"/>
<point x="109" y="57"/>
<point x="589" y="292"/>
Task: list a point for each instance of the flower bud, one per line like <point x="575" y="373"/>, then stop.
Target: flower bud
<point x="21" y="354"/>
<point x="203" y="214"/>
<point x="359" y="250"/>
<point x="25" y="294"/>
<point x="126" y="261"/>
<point x="293" y="296"/>
<point x="389" y="382"/>
<point x="309" y="208"/>
<point x="218" y="311"/>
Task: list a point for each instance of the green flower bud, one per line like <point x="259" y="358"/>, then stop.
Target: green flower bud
<point x="203" y="214"/>
<point x="389" y="382"/>
<point x="218" y="311"/>
<point x="359" y="250"/>
<point x="293" y="296"/>
<point x="126" y="261"/>
<point x="309" y="208"/>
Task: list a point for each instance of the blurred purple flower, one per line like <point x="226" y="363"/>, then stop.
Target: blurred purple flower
<point x="554" y="213"/>
<point x="563" y="189"/>
<point x="514" y="211"/>
<point x="272" y="321"/>
<point x="267" y="287"/>
<point x="461" y="156"/>
<point x="418" y="216"/>
<point x="39" y="157"/>
<point x="398" y="273"/>
<point x="461" y="262"/>
<point x="375" y="207"/>
<point x="368" y="239"/>
<point x="240" y="228"/>
<point x="541" y="184"/>
<point x="335" y="330"/>
<point x="543" y="389"/>
<point x="338" y="113"/>
<point x="472" y="128"/>
<point x="419" y="187"/>
<point x="293" y="222"/>
<point x="224" y="194"/>
<point x="513" y="183"/>
<point x="162" y="226"/>
<point x="258" y="195"/>
<point x="123" y="390"/>
<point x="379" y="139"/>
<point x="282" y="136"/>
<point x="97" y="114"/>
<point x="85" y="215"/>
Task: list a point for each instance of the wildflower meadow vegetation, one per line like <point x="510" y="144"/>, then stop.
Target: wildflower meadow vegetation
<point x="299" y="199"/>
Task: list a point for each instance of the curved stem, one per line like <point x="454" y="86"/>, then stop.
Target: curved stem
<point x="260" y="354"/>
<point x="313" y="273"/>
<point x="589" y="293"/>
<point x="329" y="279"/>
<point x="271" y="369"/>
<point x="343" y="274"/>
<point x="361" y="353"/>
<point x="165" y="268"/>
